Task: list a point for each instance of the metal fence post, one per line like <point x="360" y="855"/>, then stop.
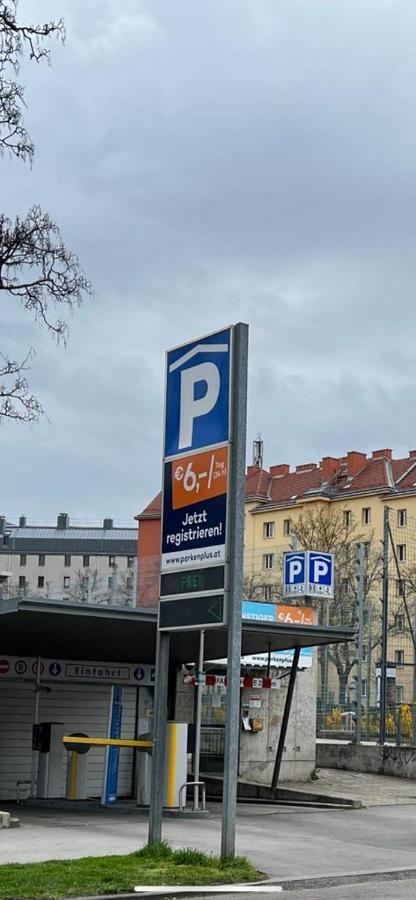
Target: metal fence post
<point x="384" y="628"/>
<point x="359" y="603"/>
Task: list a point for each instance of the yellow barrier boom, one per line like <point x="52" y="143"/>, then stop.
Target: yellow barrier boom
<point x="106" y="742"/>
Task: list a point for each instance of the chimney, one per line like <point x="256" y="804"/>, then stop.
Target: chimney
<point x="329" y="466"/>
<point x="306" y="467"/>
<point x="377" y="454"/>
<point x="62" y="520"/>
<point x="22" y="522"/>
<point x="108" y="524"/>
<point x="276" y="471"/>
<point x="355" y="462"/>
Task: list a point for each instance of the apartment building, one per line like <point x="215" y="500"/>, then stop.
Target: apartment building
<point x="355" y="488"/>
<point x="66" y="562"/>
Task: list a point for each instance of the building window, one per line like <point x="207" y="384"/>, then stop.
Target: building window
<point x="110" y="581"/>
<point x="85" y="561"/>
<point x="268" y="591"/>
<point x="366" y="549"/>
<point x="129" y="583"/>
<point x="400" y="623"/>
<point x="286" y="527"/>
<point x="399" y="693"/>
<point x="365" y="652"/>
<point x="268" y="560"/>
<point x="41" y="581"/>
<point x="41" y="559"/>
<point x="402" y="517"/>
<point x="347" y="518"/>
<point x="67" y="581"/>
<point x="399" y="587"/>
<point x="23" y="559"/>
<point x="22" y="581"/>
<point x="366" y="515"/>
<point x="67" y="560"/>
<point x="345" y="585"/>
<point x="111" y="561"/>
<point x="131" y="561"/>
<point x="363" y="688"/>
<point x="399" y="657"/>
<point x="268" y="529"/>
<point x="401" y="552"/>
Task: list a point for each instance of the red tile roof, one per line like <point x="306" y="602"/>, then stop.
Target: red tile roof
<point x="257" y="483"/>
<point x="378" y="473"/>
<point x="153" y="509"/>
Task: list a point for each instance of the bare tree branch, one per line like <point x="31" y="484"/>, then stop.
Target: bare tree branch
<point x="37" y="268"/>
<point x="15" y="40"/>
<point x="35" y="265"/>
<point x="332" y="532"/>
<point x="16" y="400"/>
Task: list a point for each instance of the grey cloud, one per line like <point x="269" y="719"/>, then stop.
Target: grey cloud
<point x="209" y="163"/>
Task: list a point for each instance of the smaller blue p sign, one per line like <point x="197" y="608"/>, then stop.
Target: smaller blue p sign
<point x="321" y="574"/>
<point x="295" y="576"/>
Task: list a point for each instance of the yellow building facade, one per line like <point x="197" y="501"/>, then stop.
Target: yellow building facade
<point x="354" y="490"/>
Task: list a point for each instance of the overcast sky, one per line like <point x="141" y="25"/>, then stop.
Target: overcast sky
<point x="211" y="162"/>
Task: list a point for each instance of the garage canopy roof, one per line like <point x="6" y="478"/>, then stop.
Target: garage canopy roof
<point x="51" y="628"/>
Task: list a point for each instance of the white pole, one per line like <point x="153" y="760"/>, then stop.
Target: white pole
<point x="113" y="586"/>
<point x="198" y="687"/>
<point x="35" y="722"/>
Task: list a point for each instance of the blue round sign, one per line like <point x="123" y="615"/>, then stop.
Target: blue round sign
<point x="55" y="669"/>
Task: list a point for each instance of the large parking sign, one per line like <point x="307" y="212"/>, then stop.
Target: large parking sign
<point x="195" y="479"/>
<point x="308" y="573"/>
<point x="198" y="394"/>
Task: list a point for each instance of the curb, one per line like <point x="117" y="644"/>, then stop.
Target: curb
<point x="327" y="881"/>
<point x="270" y="885"/>
<point x="146" y="890"/>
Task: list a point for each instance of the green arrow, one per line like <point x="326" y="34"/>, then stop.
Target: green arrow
<point x="215" y="610"/>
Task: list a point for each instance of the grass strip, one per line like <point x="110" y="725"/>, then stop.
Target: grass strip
<point x="157" y="864"/>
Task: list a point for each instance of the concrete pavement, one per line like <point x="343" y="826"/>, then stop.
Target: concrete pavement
<point x="371" y="790"/>
<point x="284" y="843"/>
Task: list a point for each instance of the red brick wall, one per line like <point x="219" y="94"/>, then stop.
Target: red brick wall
<point x="148" y="562"/>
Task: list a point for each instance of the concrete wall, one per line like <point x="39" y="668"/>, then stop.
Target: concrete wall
<point x="387" y="760"/>
<point x="258" y="750"/>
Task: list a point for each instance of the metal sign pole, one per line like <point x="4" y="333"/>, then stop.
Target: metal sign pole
<point x="159" y="733"/>
<point x="235" y="592"/>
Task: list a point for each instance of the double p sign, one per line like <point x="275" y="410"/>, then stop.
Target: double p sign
<point x="308" y="573"/>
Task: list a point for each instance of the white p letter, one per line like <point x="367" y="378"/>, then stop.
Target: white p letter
<point x="320" y="568"/>
<point x="295" y="568"/>
<point x="191" y="409"/>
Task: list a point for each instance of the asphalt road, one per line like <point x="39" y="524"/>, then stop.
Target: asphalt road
<point x="285" y="844"/>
